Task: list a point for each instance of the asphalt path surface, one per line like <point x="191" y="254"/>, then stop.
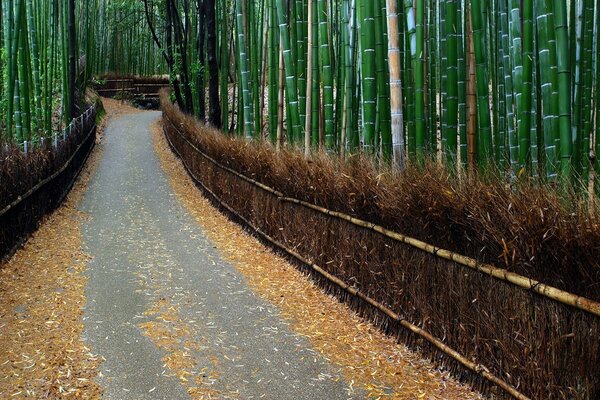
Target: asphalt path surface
<point x="146" y="248"/>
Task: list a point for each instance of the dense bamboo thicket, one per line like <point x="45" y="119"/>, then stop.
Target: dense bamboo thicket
<point x="43" y="65"/>
<point x="123" y="44"/>
<point x="503" y="84"/>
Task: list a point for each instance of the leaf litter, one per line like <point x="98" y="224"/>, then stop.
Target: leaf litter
<point x="368" y="359"/>
<point x="42" y="298"/>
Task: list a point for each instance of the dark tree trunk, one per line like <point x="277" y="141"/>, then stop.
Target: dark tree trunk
<point x="213" y="66"/>
<point x="201" y="58"/>
<point x="72" y="50"/>
<point x="169" y="56"/>
<point x="180" y="42"/>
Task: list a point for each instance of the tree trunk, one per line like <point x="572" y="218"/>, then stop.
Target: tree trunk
<point x="213" y="66"/>
<point x="180" y="42"/>
<point x="169" y="55"/>
<point x="201" y="112"/>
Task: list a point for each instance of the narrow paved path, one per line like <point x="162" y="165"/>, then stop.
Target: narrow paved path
<point x="168" y="314"/>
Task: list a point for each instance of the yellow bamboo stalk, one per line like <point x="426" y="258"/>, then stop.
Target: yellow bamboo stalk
<point x="395" y="85"/>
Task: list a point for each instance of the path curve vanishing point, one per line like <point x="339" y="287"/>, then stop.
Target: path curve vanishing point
<point x="163" y="306"/>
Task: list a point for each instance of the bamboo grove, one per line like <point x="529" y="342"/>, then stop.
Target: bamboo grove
<point x="125" y="45"/>
<point x="39" y="64"/>
<point x="508" y="84"/>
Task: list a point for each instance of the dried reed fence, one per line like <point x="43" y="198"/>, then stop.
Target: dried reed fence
<point x="35" y="182"/>
<point x="528" y="344"/>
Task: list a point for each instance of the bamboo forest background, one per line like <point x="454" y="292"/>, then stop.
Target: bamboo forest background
<point x="502" y="85"/>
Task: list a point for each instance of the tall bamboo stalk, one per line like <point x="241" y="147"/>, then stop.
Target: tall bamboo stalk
<point x="327" y="76"/>
<point x="244" y="71"/>
<point x="395" y="85"/>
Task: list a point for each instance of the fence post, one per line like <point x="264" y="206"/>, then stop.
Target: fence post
<point x="26" y="147"/>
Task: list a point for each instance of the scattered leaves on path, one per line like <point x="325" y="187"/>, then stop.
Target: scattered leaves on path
<point x="42" y="297"/>
<point x="41" y="309"/>
<point x="368" y="359"/>
<point x="169" y="332"/>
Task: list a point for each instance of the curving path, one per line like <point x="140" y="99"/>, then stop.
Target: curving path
<point x="172" y="318"/>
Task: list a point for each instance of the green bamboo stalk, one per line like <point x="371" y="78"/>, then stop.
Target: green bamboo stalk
<point x="462" y="85"/>
<point x="409" y="39"/>
<point x="449" y="138"/>
<point x="11" y="60"/>
<point x="440" y="81"/>
<point x="24" y="69"/>
<point x="499" y="134"/>
<point x="576" y="122"/>
<point x="564" y="88"/>
<point x="244" y="71"/>
<point x="588" y="72"/>
<point x="36" y="68"/>
<point x="299" y="26"/>
<point x="545" y="71"/>
<point x="418" y="71"/>
<point x="415" y="38"/>
<point x="536" y="140"/>
<point x="382" y="77"/>
<point x="224" y="62"/>
<point x="309" y="78"/>
<point x="295" y="132"/>
<point x="501" y="110"/>
<point x="315" y="82"/>
<point x="273" y="70"/>
<point x="327" y="76"/>
<point x="554" y="80"/>
<point x="253" y="27"/>
<point x="523" y="130"/>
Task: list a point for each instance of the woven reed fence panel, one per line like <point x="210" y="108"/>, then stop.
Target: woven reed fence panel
<point x="34" y="184"/>
<point x="545" y="349"/>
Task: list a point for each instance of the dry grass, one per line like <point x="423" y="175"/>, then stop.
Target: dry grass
<point x="368" y="358"/>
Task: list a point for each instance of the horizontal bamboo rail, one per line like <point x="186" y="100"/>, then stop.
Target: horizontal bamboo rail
<point x="558" y="295"/>
<point x="474" y="367"/>
<point x="47" y="180"/>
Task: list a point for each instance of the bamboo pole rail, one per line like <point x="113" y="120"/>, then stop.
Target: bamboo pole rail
<point x="448" y="351"/>
<point x="550" y="292"/>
